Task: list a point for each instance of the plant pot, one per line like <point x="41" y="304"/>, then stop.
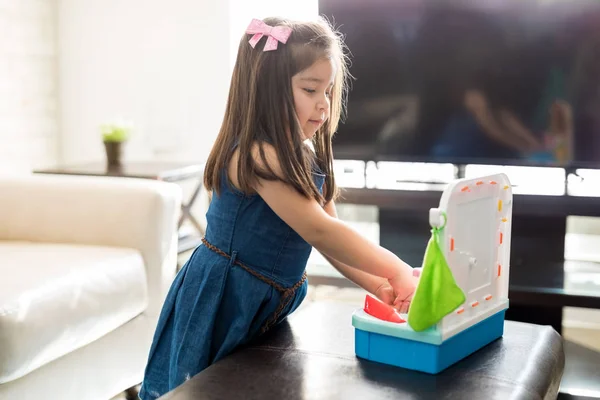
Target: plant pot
<point x="114" y="153"/>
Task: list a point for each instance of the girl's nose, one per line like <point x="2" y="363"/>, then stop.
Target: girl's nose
<point x="323" y="104"/>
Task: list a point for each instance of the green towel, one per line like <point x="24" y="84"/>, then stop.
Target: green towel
<point x="437" y="294"/>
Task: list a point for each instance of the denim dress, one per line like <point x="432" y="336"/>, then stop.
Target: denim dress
<point x="248" y="275"/>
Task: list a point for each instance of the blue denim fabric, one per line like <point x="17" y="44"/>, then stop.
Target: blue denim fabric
<point x="214" y="305"/>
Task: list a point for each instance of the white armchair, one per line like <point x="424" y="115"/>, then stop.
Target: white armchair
<point x="85" y="264"/>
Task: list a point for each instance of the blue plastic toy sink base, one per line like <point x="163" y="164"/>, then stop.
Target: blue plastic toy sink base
<point x="426" y="357"/>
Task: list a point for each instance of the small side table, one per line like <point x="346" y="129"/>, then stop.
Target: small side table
<point x="162" y="171"/>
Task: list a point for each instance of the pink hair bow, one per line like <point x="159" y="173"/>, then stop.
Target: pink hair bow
<point x="274" y="34"/>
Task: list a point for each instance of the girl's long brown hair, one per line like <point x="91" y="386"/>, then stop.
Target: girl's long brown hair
<point x="260" y="109"/>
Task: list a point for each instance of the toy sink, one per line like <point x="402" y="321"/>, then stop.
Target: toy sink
<point x="473" y="224"/>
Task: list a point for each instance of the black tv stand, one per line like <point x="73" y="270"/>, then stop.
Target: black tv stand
<point x="537" y="247"/>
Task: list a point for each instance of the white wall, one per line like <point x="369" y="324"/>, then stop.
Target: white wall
<point x="161" y="64"/>
<point x="166" y="66"/>
<point x="28" y="88"/>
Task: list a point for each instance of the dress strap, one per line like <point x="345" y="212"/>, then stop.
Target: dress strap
<point x="287" y="294"/>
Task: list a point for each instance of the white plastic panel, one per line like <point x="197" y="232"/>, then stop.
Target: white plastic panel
<point x="476" y="244"/>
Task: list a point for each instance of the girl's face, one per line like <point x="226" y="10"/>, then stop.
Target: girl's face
<point x="312" y="95"/>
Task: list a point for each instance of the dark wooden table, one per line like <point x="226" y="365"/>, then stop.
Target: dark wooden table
<point x="162" y="171"/>
<point x="311" y="356"/>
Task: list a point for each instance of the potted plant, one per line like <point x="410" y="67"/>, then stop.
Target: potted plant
<point x="114" y="135"/>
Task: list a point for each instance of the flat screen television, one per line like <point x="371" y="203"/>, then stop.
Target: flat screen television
<point x="511" y="82"/>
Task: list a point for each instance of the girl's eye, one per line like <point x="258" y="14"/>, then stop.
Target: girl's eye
<point x="309" y="90"/>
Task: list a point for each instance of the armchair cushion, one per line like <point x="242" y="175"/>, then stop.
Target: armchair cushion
<point x="99" y="211"/>
<point x="56" y="298"/>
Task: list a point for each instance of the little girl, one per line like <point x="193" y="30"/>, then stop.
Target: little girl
<point x="271" y="174"/>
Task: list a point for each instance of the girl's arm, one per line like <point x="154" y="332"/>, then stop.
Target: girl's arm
<point x="379" y="287"/>
<point x="327" y="234"/>
<point x="371" y="283"/>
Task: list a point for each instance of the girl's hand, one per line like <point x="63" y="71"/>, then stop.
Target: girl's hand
<point x="386" y="294"/>
<point x="404" y="289"/>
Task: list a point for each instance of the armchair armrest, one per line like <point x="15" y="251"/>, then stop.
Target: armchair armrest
<point x="120" y="212"/>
